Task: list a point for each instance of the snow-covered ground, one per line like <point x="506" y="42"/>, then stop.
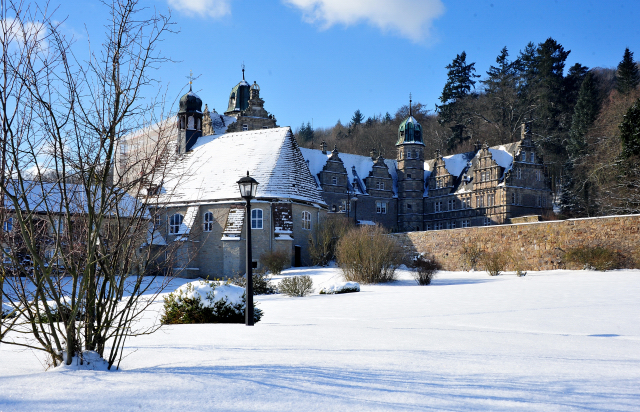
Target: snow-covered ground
<point x="554" y="340"/>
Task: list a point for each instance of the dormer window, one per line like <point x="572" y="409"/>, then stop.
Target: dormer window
<point x="533" y="157"/>
<point x="245" y="127"/>
<point x="334" y="180"/>
<point x="408" y="154"/>
<point x="174" y="223"/>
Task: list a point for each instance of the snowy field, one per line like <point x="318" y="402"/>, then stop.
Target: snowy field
<point x="553" y="340"/>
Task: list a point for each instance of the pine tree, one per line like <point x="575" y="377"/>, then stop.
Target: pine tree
<point x="305" y="133"/>
<point x="627" y="76"/>
<point x="501" y="89"/>
<point x="357" y="118"/>
<point x="630" y="131"/>
<point x="572" y="83"/>
<point x="387" y="118"/>
<point x="458" y="87"/>
<point x="584" y="114"/>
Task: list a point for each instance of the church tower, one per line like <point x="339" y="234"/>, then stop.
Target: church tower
<point x="246" y="105"/>
<point x="189" y="121"/>
<point x="410" y="174"/>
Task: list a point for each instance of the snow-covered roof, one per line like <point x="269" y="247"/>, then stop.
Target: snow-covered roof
<point x="209" y="172"/>
<point x="455" y="164"/>
<point x="362" y="165"/>
<point x="43" y="197"/>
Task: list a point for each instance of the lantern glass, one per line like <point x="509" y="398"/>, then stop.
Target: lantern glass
<point x="248" y="187"/>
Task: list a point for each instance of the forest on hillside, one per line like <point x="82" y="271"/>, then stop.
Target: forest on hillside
<point x="585" y="121"/>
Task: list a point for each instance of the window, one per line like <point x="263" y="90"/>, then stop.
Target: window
<point x="466" y="223"/>
<point x="345" y="206"/>
<point x="6" y="255"/>
<point x="381" y="208"/>
<point x="539" y="175"/>
<point x="533" y="157"/>
<point x="451" y="204"/>
<point x="208" y="222"/>
<point x="491" y="200"/>
<point x="408" y="205"/>
<point x="479" y="201"/>
<point x="256" y="219"/>
<point x="174" y="223"/>
<point x="245" y="127"/>
<point x="8" y="225"/>
<point x="306" y="220"/>
<point x="58" y="226"/>
<point x="452" y="225"/>
<point x="482" y="176"/>
<point x="408" y="175"/>
<point x="380" y="185"/>
<point x="438" y="206"/>
<point x="265" y="127"/>
<point x="123" y="149"/>
<point x="48" y="255"/>
<point x="513" y="198"/>
<point x="524" y="156"/>
<point x="539" y="201"/>
<point x="518" y="173"/>
<point x="487" y="221"/>
<point x="334" y="180"/>
<point x="409" y="154"/>
<point x="428" y="227"/>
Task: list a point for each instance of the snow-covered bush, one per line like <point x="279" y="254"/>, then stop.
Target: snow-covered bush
<point x="206" y="302"/>
<point x="261" y="283"/>
<point x="471" y="252"/>
<point x="58" y="313"/>
<point x="275" y="262"/>
<point x="296" y="286"/>
<point x="493" y="263"/>
<point x="593" y="258"/>
<point x="367" y="255"/>
<point x="340" y="287"/>
<point x="425" y="269"/>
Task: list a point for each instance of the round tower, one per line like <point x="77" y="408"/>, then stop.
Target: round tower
<point x="410" y="160"/>
<point x="189" y="121"/>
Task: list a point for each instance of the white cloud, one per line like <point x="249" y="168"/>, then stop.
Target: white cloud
<point x="30" y="33"/>
<point x="204" y="8"/>
<point x="409" y="18"/>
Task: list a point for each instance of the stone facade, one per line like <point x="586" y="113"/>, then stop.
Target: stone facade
<point x="538" y="246"/>
<point x="215" y="248"/>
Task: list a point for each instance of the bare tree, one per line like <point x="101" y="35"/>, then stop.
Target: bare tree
<point x="78" y="237"/>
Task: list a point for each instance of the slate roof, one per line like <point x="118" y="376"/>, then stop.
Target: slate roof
<point x="210" y="171"/>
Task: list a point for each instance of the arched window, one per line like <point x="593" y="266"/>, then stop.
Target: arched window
<point x="190" y="123"/>
<point x="306" y="220"/>
<point x="208" y="222"/>
<point x="174" y="223"/>
<point x="256" y="219"/>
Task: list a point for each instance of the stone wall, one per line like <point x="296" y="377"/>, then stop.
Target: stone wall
<point x="539" y="246"/>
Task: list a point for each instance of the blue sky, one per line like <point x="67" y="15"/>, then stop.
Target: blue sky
<point x="323" y="59"/>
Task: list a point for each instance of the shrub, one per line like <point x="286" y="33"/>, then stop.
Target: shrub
<point x="594" y="258"/>
<point x="325" y="237"/>
<point x="493" y="263"/>
<point x="58" y="313"/>
<point x="471" y="253"/>
<point x="517" y="263"/>
<point x="340" y="287"/>
<point x="261" y="283"/>
<point x="275" y="262"/>
<point x="296" y="286"/>
<point x="367" y="255"/>
<point x="425" y="269"/>
<point x="206" y="302"/>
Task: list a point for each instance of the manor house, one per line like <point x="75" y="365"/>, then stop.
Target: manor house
<point x="202" y="215"/>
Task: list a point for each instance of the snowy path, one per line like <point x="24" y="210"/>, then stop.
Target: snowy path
<point x="557" y="340"/>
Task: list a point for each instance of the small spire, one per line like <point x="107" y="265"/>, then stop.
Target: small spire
<point x="242" y="70"/>
<point x="410" y="111"/>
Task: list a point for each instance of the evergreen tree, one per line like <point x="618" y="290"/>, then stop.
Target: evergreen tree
<point x="357" y="118"/>
<point x="551" y="58"/>
<point x="584" y="114"/>
<point x="387" y="118"/>
<point x="630" y="131"/>
<point x="572" y="83"/>
<point x="627" y="76"/>
<point x="458" y="88"/>
<point x="501" y="90"/>
<point x="305" y="133"/>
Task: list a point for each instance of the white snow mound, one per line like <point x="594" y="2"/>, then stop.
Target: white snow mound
<point x="211" y="292"/>
<point x="341" y="287"/>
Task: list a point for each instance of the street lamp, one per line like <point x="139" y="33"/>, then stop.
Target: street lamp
<point x="248" y="188"/>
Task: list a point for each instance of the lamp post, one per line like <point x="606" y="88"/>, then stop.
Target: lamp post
<point x="350" y="194"/>
<point x="248" y="187"/>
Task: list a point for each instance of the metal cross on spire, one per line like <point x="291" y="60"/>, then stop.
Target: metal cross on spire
<point x="410" y="111"/>
<point x="242" y="70"/>
<point x="190" y="79"/>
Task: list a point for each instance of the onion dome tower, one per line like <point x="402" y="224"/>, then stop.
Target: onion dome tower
<point x="410" y="160"/>
<point x="189" y="121"/>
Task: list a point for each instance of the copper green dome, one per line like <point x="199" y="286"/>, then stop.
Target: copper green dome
<point x="239" y="97"/>
<point x="410" y="131"/>
<point x="190" y="102"/>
